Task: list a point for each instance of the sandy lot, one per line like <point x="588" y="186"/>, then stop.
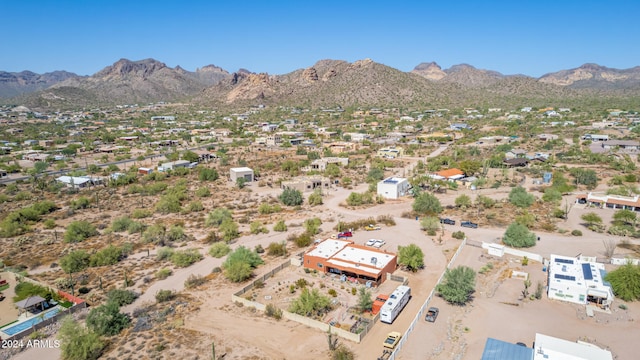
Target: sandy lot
<point x="8" y="311"/>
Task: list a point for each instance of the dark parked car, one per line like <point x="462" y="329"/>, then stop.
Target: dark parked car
<point x="345" y="234"/>
<point x="469" y="224"/>
<point x="432" y="314"/>
<point x="447" y="221"/>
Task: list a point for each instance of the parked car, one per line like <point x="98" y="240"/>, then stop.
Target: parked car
<point x="379" y="243"/>
<point x="469" y="224"/>
<point x="447" y="221"/>
<point x="372" y="227"/>
<point x="432" y="314"/>
<point x="392" y="340"/>
<point x="345" y="234"/>
<point x="371" y="242"/>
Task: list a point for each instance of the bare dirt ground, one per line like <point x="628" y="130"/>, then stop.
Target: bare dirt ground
<point x="499" y="311"/>
<point x="8" y="311"/>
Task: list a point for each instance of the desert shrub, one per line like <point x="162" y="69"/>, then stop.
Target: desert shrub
<point x="121" y="297"/>
<point x="164" y="295"/>
<point x="194" y="281"/>
<point x="168" y="203"/>
<point x="576" y="232"/>
<point x="273" y="311"/>
<point x="386" y="220"/>
<point x="277" y="249"/>
<point x="520" y="197"/>
<point x="78" y="231"/>
<point x="266" y="208"/>
<point x="176" y="233"/>
<point x="106" y="256"/>
<point x="49" y="224"/>
<point x="219" y="250"/>
<point x="256" y="227"/>
<point x="136" y="227"/>
<point x="208" y="174"/>
<point x="458" y="235"/>
<point x="315" y="198"/>
<point x="230" y="230"/>
<point x="155" y="234"/>
<point x="80" y="203"/>
<point x="310" y="303"/>
<point x="301" y="240"/>
<point x="280" y="226"/>
<point x="140" y="213"/>
<point x="163" y="273"/>
<point x="259" y="249"/>
<point x="426" y="203"/>
<point x="332" y="292"/>
<point x="195" y="206"/>
<point x="164" y="253"/>
<point x="22" y="195"/>
<point x="203" y="192"/>
<point x="217" y="217"/>
<point x="291" y="197"/>
<point x="107" y="319"/>
<point x="184" y="258"/>
<point x="240" y="263"/>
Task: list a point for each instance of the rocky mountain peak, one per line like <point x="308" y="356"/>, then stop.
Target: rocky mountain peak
<point x="430" y="70"/>
<point x="310" y="74"/>
<point x="125" y="67"/>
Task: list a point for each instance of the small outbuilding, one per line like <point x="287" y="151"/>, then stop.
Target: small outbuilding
<point x="241" y="172"/>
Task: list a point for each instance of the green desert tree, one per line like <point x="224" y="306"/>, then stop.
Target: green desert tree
<point x="592" y="219"/>
<point x="107" y="319"/>
<point x="365" y="301"/>
<point x="457" y="285"/>
<point x="291" y="197"/>
<point x="217" y="217"/>
<point x="518" y="236"/>
<point x="625" y="281"/>
<point x="411" y="257"/>
<point x="626" y="216"/>
<point x="427" y="204"/>
<point x="310" y="303"/>
<point x="76" y="260"/>
<point x="430" y="224"/>
<point x="520" y="197"/>
<point x="78" y="342"/>
<point x="315" y="198"/>
<point x="79" y="230"/>
<point x="463" y="201"/>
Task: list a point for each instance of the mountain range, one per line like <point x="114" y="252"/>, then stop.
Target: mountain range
<point x="326" y="83"/>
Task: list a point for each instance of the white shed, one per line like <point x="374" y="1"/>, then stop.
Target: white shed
<point x="241" y="172"/>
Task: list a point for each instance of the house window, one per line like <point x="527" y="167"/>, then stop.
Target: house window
<point x="320" y="265"/>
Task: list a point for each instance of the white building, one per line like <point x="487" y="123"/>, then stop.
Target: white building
<point x="393" y="187"/>
<point x="576" y="281"/>
<point x="552" y="348"/>
<point x="241" y="172"/>
<point x="174" y="165"/>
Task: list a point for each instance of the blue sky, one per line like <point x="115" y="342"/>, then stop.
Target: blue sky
<point x="519" y="36"/>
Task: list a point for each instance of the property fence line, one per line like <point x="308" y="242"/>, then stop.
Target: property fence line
<point x="345" y="334"/>
<point x="49" y="321"/>
<point x="425" y="304"/>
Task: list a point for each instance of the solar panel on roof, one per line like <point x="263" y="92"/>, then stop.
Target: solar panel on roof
<point x="564" y="277"/>
<point x="586" y="270"/>
<point x="564" y="261"/>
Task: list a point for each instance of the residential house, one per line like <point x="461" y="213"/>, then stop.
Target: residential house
<point x="448" y="174"/>
<point x="515" y="153"/>
<point x="352" y="262"/>
<point x="547" y="137"/>
<point x="580" y="282"/>
<point x="621" y="144"/>
<point x="610" y="201"/>
<point x="306" y="183"/>
<point x="321" y="164"/>
<point x="459" y="127"/>
<point x="393" y="187"/>
<point x="79" y="182"/>
<point x="595" y="137"/>
<point x="391" y="152"/>
<point x="172" y="165"/>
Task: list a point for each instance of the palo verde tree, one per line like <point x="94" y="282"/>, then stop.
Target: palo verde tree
<point x="291" y="197"/>
<point x="457" y="285"/>
<point x="427" y="204"/>
<point x="625" y="281"/>
<point x="518" y="235"/>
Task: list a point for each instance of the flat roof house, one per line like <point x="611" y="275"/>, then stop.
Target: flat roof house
<point x="241" y="172"/>
<point x="356" y="262"/>
<point x="174" y="165"/>
<point x="306" y="183"/>
<point x="570" y="279"/>
<point x="393" y="187"/>
<point x="391" y="152"/>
